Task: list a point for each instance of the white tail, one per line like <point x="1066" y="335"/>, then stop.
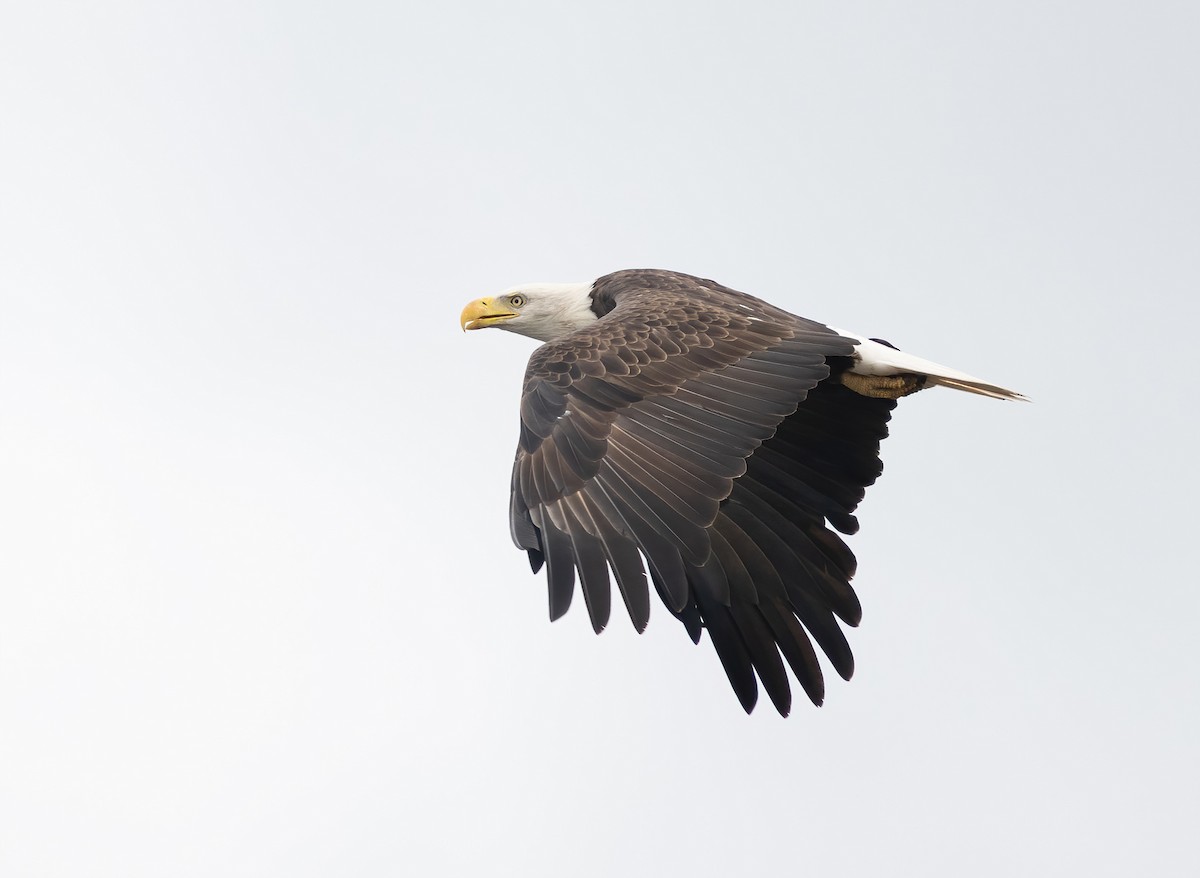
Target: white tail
<point x="873" y="358"/>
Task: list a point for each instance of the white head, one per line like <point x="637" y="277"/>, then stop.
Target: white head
<point x="542" y="311"/>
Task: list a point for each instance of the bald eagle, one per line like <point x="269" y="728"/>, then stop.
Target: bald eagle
<point x="676" y="427"/>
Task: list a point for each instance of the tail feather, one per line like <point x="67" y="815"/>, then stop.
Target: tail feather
<point x="875" y="358"/>
<point x="973" y="386"/>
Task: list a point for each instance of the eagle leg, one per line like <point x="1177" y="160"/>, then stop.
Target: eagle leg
<point x="883" y="386"/>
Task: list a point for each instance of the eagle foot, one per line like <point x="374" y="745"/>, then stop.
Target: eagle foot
<point x="883" y="386"/>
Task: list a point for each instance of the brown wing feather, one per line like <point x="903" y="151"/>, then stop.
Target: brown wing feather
<point x="694" y="426"/>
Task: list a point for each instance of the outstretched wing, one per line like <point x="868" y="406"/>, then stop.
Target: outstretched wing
<point x="691" y="427"/>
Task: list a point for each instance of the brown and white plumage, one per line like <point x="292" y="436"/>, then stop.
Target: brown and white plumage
<point x="717" y="437"/>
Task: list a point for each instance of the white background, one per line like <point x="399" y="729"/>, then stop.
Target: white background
<point x="259" y="611"/>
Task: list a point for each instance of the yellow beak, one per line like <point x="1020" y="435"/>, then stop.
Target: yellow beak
<point x="483" y="313"/>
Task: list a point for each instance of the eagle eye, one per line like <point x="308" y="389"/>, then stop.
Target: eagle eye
<point x="516" y="301"/>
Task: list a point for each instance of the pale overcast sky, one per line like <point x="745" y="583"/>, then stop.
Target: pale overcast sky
<point x="259" y="611"/>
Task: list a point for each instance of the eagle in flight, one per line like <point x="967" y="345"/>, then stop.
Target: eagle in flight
<point x="674" y="427"/>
